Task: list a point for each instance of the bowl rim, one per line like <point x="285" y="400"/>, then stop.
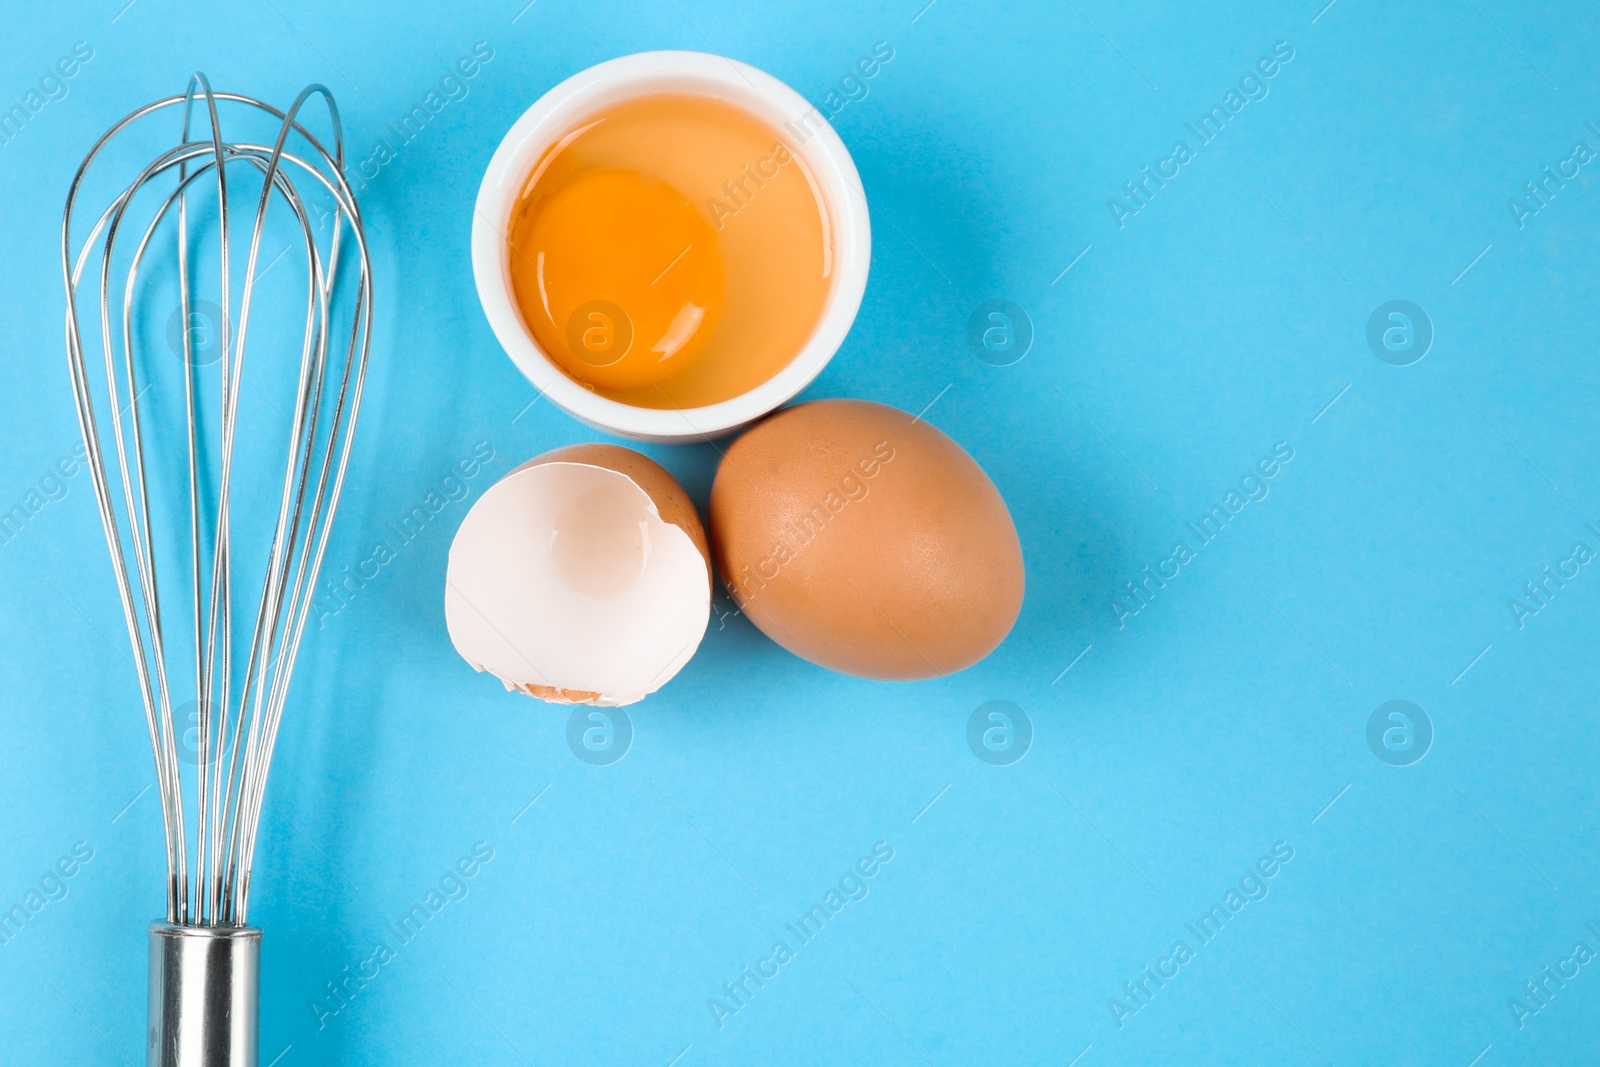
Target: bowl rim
<point x="807" y="133"/>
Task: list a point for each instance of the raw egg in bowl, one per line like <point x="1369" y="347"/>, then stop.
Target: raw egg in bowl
<point x="671" y="244"/>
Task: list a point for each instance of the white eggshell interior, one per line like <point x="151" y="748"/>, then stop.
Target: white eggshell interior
<point x="565" y="575"/>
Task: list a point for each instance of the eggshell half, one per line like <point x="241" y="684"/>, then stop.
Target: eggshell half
<point x="866" y="541"/>
<point x="580" y="577"/>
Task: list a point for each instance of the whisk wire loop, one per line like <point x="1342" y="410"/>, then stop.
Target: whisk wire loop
<point x="240" y="682"/>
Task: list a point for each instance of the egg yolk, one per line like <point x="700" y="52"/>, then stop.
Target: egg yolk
<point x="619" y="277"/>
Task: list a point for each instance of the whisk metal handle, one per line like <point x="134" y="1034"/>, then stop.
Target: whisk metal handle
<point x="204" y="995"/>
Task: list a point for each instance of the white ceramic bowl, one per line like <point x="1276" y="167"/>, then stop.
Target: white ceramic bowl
<point x="805" y="132"/>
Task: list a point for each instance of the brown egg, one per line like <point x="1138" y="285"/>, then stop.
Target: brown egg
<point x="865" y="541"/>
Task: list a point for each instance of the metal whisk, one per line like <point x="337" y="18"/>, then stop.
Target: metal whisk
<point x="169" y="491"/>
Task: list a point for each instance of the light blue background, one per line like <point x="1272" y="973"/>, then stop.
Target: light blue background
<point x="1225" y="717"/>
